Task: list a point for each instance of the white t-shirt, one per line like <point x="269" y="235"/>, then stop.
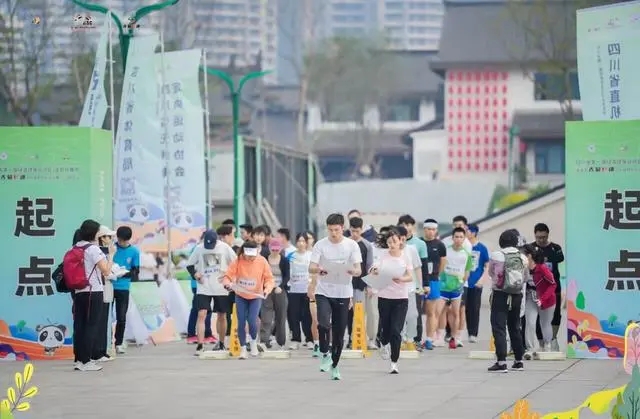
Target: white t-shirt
<point x="299" y="272"/>
<point x="466" y="245"/>
<point x="92" y="255"/>
<point x="396" y="291"/>
<point x="412" y="254"/>
<point x="345" y="252"/>
<point x="212" y="264"/>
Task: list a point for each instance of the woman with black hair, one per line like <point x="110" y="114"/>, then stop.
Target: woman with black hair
<point x="393" y="301"/>
<point x="299" y="313"/>
<point x="89" y="301"/>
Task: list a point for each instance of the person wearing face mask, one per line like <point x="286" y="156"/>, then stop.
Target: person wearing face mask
<point x="393" y="301"/>
<point x="274" y="308"/>
<point x="251" y="278"/>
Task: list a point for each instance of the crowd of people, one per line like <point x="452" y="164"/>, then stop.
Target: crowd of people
<point x="303" y="293"/>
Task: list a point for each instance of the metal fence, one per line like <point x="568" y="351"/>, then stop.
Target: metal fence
<point x="279" y="181"/>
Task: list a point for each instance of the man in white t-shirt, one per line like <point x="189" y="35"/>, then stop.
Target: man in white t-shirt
<point x="207" y="263"/>
<point x="335" y="260"/>
<point x="459" y="221"/>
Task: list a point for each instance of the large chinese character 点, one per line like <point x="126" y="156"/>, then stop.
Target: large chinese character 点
<point x="614" y="215"/>
<point x="624" y="274"/>
<point x="41" y="216"/>
<point x="35" y="279"/>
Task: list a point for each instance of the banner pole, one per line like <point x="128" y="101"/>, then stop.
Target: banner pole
<point x="207" y="145"/>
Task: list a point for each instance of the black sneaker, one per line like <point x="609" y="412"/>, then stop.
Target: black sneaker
<point x="199" y="349"/>
<point x="219" y="347"/>
<point x="349" y="345"/>
<point x="498" y="368"/>
<point x="517" y="366"/>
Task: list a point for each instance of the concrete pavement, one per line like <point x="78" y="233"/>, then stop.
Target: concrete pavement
<point x="167" y="381"/>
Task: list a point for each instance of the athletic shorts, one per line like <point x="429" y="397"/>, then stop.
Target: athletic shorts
<point x="434" y="293"/>
<point x="220" y="303"/>
<point x="449" y="296"/>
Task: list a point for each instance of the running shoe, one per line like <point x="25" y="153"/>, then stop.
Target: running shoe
<point x="316" y="351"/>
<point x="428" y="345"/>
<point x="199" y="349"/>
<point x="452" y="343"/>
<point x="394" y="368"/>
<point x="517" y="366"/>
<point x="497" y="367"/>
<point x="385" y="352"/>
<point x="325" y="363"/>
<point x="192" y="340"/>
<point x="243" y="353"/>
<point x="335" y="374"/>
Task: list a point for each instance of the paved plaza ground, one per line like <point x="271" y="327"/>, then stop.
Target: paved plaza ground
<point x="167" y="381"/>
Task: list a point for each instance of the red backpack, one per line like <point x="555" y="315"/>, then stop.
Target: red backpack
<point x="75" y="277"/>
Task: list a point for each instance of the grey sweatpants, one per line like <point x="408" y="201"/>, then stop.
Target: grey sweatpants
<point x="372" y="316"/>
<point x="274" y="313"/>
<point x="411" y="321"/>
<point x="531" y="313"/>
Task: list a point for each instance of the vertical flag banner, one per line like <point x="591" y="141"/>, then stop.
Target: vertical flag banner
<point x="602" y="230"/>
<point x="161" y="122"/>
<point x="608" y="46"/>
<point x="95" y="102"/>
<point x="51" y="179"/>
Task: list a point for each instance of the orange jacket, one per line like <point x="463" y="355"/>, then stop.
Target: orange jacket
<point x="254" y="276"/>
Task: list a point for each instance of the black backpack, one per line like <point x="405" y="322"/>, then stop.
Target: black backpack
<point x="58" y="279"/>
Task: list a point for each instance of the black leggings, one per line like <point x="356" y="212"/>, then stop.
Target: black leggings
<point x="333" y="314"/>
<point x="87" y="313"/>
<point x="121" y="302"/>
<point x="232" y="301"/>
<point x="100" y="345"/>
<point x="393" y="313"/>
<point x="299" y="315"/>
<point x="505" y="315"/>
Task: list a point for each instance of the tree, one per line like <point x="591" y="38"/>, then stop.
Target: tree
<point x="348" y="77"/>
<point x="26" y="50"/>
<point x="548" y="29"/>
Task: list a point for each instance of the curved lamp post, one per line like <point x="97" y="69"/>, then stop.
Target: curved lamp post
<point x="125" y="34"/>
<point x="235" y="120"/>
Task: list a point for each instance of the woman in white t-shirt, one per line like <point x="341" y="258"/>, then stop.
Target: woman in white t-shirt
<point x="393" y="300"/>
<point x="89" y="301"/>
<point x="299" y="314"/>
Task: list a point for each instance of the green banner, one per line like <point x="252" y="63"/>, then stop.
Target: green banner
<point x="602" y="235"/>
<point x="51" y="179"/>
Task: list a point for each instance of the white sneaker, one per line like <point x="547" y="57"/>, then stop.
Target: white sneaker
<point x="254" y="348"/>
<point x="310" y="345"/>
<point x="243" y="353"/>
<point x="439" y="343"/>
<point x="473" y="339"/>
<point x="272" y="341"/>
<point x="394" y="368"/>
<point x="104" y="359"/>
<point x="120" y="350"/>
<point x="76" y="365"/>
<point x="528" y="356"/>
<point x="555" y="346"/>
<point x="385" y="352"/>
<point x="294" y="346"/>
<point x="372" y="345"/>
<point x="89" y="366"/>
<point x="546" y="347"/>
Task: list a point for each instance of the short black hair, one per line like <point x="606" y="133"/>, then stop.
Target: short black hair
<point x="536" y="254"/>
<point x="402" y="231"/>
<point x="124" y="233"/>
<point x="285" y="232"/>
<point x="353" y="211"/>
<point x="430" y="220"/>
<point x="89" y="230"/>
<point x="541" y="227"/>
<point x="260" y="230"/>
<point x="381" y="239"/>
<point x="229" y="221"/>
<point x="407" y="219"/>
<point x="225" y="230"/>
<point x="356" y="222"/>
<point x="246" y="227"/>
<point x="508" y="238"/>
<point x="458" y="230"/>
<point x="265" y="228"/>
<point x="459" y="218"/>
<point x="335" y="219"/>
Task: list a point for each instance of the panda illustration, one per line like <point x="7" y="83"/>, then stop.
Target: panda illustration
<point x="51" y="337"/>
<point x="138" y="213"/>
<point x="183" y="220"/>
<point x="78" y="20"/>
<point x="88" y="20"/>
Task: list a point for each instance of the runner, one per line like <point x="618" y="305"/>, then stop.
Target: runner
<point x="206" y="264"/>
<point x="413" y="318"/>
<point x="455" y="274"/>
<point x="273" y="313"/>
<point x="260" y="236"/>
<point x="299" y="313"/>
<point x="433" y="304"/>
<point x="226" y="233"/>
<point x="356" y="226"/>
<point x="480" y="256"/>
<point x="192" y="337"/>
<point x="250" y="276"/>
<point x="393" y="300"/>
<point x="284" y="235"/>
<point x="128" y="257"/>
<point x="334" y="289"/>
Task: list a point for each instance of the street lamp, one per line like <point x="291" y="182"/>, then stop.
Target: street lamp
<point x="125" y="35"/>
<point x="514" y="131"/>
<point x="235" y="120"/>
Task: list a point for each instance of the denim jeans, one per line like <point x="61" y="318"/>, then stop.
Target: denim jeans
<point x="247" y="311"/>
<point x="193" y="318"/>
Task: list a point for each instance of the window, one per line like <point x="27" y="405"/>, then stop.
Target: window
<point x="417" y="30"/>
<point x="418" y="5"/>
<point x="394" y="5"/>
<point x="348" y="18"/>
<point x="393" y="17"/>
<point x="553" y="87"/>
<point x="394" y="30"/>
<point x="403" y="110"/>
<point x="348" y="7"/>
<point x="549" y="157"/>
<point x="417" y="42"/>
<point x="347" y="32"/>
<point x="343" y="112"/>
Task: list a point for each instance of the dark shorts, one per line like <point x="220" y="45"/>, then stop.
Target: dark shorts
<point x="220" y="303"/>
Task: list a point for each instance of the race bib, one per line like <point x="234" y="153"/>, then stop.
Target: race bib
<point x="430" y="267"/>
<point x="454" y="271"/>
<point x="475" y="255"/>
<point x="247" y="283"/>
<point x="210" y="265"/>
<point x="299" y="277"/>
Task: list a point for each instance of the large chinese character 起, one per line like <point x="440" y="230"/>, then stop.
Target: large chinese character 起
<point x="35" y="279"/>
<point x="40" y="216"/>
<point x="624" y="274"/>
<point x="615" y="217"/>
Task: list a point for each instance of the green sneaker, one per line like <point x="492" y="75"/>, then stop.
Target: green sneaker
<point x="325" y="363"/>
<point x="335" y="374"/>
<point x="316" y="351"/>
